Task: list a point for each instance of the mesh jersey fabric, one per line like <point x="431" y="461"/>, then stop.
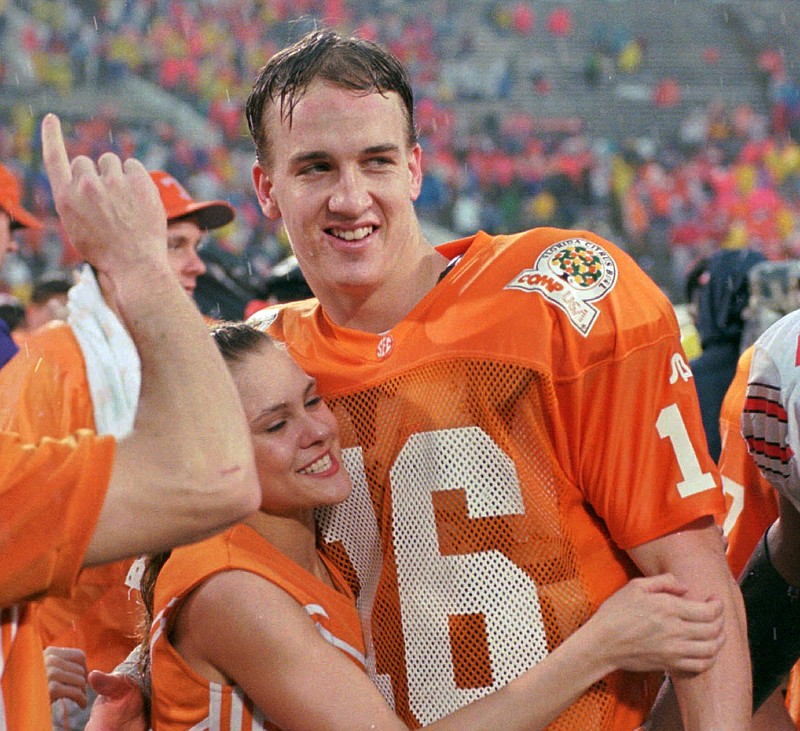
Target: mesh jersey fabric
<point x="50" y="499"/>
<point x="46" y="393"/>
<point x="531" y="418"/>
<point x="182" y="699"/>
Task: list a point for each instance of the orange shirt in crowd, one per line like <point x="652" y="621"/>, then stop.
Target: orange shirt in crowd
<point x="50" y="499"/>
<point x="46" y="393"/>
<point x="182" y="699"/>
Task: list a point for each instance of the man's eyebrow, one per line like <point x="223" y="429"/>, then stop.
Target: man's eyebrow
<point x="315" y="155"/>
<point x="388" y="147"/>
<point x="304" y="157"/>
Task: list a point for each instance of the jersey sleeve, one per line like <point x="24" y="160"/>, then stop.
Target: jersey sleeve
<point x="633" y="419"/>
<point x="771" y="415"/>
<point x="51" y="494"/>
<point x="750" y="501"/>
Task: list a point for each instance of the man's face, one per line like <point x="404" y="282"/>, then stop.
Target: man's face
<point x="343" y="179"/>
<point x="183" y="238"/>
<point x="7" y="242"/>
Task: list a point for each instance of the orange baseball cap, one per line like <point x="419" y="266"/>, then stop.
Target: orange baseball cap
<point x="178" y="203"/>
<point x="10" y="200"/>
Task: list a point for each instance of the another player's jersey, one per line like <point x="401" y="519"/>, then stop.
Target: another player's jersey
<point x="531" y="418"/>
<point x="46" y="394"/>
<point x="50" y="498"/>
<point x="752" y="500"/>
<point x="770" y="418"/>
<point x="182" y="699"/>
<point x="752" y="504"/>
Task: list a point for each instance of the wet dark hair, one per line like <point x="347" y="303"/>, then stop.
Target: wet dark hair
<point x="235" y="340"/>
<point x="350" y="63"/>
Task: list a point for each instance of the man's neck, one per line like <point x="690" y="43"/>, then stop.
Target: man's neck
<point x="380" y="309"/>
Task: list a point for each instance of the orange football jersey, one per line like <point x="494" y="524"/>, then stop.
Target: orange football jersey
<point x="182" y="699"/>
<point x="769" y="427"/>
<point x="50" y="499"/>
<point x="752" y="504"/>
<point x="529" y="420"/>
<point x="46" y="394"/>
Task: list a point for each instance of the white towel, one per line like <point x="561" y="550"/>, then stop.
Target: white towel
<point x="113" y="367"/>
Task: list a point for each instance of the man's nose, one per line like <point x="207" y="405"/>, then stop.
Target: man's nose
<point x="351" y="196"/>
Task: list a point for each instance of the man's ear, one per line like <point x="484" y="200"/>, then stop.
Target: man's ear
<point x="415" y="171"/>
<point x="264" y="192"/>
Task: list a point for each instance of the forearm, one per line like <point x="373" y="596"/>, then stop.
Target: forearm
<point x="720" y="698"/>
<point x="539" y="695"/>
<point x="784" y="543"/>
<point x="186" y="390"/>
<point x="190" y="429"/>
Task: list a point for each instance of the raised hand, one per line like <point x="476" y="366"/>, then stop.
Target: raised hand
<point x="111" y="211"/>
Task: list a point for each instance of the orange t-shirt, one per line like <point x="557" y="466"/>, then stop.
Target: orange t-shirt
<point x="46" y="394"/>
<point x="530" y="419"/>
<point x="50" y="498"/>
<point x="184" y="700"/>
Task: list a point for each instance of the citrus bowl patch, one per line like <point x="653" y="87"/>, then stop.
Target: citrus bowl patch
<point x="571" y="274"/>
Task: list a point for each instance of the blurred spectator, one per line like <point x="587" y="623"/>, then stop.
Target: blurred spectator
<point x="733" y="172"/>
<point x="696" y="280"/>
<point x="720" y="324"/>
<point x="667" y="93"/>
<point x="12" y="217"/>
<point x="48" y="299"/>
<point x="286" y="283"/>
<point x="559" y="22"/>
<point x="12" y="312"/>
<point x="523" y="19"/>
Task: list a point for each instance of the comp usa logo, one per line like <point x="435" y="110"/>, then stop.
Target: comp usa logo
<point x="572" y="274"/>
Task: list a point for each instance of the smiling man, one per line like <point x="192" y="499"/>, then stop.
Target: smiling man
<point x="521" y="427"/>
<point x="516" y="412"/>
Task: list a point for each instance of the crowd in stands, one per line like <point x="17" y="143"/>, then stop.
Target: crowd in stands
<point x="731" y="178"/>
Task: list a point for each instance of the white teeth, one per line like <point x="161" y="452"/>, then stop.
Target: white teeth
<point x="322" y="464"/>
<point x="352" y="234"/>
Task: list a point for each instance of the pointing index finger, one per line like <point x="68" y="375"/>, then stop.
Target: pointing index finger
<point x="54" y="154"/>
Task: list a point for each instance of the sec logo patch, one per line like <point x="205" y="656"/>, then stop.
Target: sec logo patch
<point x="385" y="347"/>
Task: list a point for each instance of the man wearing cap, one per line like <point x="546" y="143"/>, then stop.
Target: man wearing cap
<point x="85" y="373"/>
<point x="12" y="217"/>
